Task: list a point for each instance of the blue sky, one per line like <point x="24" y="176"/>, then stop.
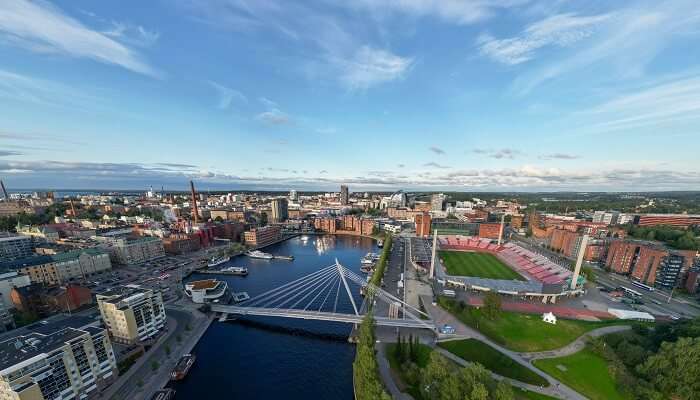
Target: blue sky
<point x="426" y="94"/>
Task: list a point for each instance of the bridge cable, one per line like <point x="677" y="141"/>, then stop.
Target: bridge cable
<point x="300" y="289"/>
<point x="320" y="292"/>
<point x="328" y="294"/>
<point x="284" y="287"/>
<point x="321" y="288"/>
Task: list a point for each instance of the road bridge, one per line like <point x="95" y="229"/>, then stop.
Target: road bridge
<point x="316" y="297"/>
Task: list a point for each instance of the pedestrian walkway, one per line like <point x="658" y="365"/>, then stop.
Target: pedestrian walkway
<point x="465" y="332"/>
<point x="576" y="345"/>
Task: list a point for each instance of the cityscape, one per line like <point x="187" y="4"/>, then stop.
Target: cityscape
<point x="369" y="200"/>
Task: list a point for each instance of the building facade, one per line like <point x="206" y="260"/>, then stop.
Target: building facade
<point x="9" y="281"/>
<point x="132" y="314"/>
<point x="67" y="364"/>
<point x="262" y="236"/>
<point x="128" y="251"/>
<point x="63" y="268"/>
<point x="423" y="223"/>
<point x="344" y="195"/>
<point x="14" y="247"/>
<point x="280" y="210"/>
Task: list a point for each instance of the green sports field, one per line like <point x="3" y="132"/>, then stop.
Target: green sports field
<point x="480" y="265"/>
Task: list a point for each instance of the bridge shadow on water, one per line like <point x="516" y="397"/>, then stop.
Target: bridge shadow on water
<point x="305" y="332"/>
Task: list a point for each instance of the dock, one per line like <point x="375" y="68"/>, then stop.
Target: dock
<point x="220" y="272"/>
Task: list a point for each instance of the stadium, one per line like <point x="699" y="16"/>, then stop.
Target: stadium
<point x="481" y="264"/>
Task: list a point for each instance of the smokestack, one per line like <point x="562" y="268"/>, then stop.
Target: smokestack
<point x="72" y="208"/>
<point x="579" y="261"/>
<point x="500" y="232"/>
<point x="194" y="203"/>
<point x="4" y="191"/>
<point x="432" y="260"/>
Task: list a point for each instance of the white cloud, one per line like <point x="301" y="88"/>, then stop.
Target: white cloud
<point x="274" y="117"/>
<point x="25" y="88"/>
<point x="227" y="95"/>
<point x="666" y="103"/>
<point x="454" y="11"/>
<point x="370" y="67"/>
<point x="132" y="34"/>
<point x="267" y="102"/>
<point x="42" y="27"/>
<point x="558" y="156"/>
<point x="499" y="154"/>
<point x="627" y="43"/>
<point x="559" y="30"/>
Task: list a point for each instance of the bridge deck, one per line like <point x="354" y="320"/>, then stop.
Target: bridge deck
<point x="320" y="316"/>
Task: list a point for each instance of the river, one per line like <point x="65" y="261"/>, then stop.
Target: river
<point x="279" y="358"/>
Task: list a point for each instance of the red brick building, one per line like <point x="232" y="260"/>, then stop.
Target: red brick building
<point x="489" y="230"/>
<point x="517" y="221"/>
<point x="262" y="236"/>
<point x="423" y="222"/>
<point x="677" y="220"/>
<point x="622" y="256"/>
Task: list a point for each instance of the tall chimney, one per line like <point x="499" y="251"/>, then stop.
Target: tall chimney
<point x="579" y="261"/>
<point x="194" y="203"/>
<point x="4" y="191"/>
<point x="500" y="231"/>
<point x="432" y="259"/>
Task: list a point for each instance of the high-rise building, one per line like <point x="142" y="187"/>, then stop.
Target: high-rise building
<point x="132" y="314"/>
<point x="437" y="201"/>
<point x="14" y="247"/>
<point x="262" y="236"/>
<point x="344" y="195"/>
<point x="423" y="223"/>
<point x="51" y="365"/>
<point x="293" y="195"/>
<point x="280" y="210"/>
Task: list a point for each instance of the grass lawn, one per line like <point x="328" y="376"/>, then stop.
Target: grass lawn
<point x="523" y="332"/>
<point x="480" y="265"/>
<point x="476" y="351"/>
<point x="585" y="372"/>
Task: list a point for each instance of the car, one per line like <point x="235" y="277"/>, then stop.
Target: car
<point x="447" y="330"/>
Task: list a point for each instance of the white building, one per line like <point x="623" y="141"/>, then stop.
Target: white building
<point x="65" y="364"/>
<point x="206" y="291"/>
<point x="132" y="314"/>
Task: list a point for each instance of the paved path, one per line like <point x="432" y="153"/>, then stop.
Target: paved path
<point x="464" y="332"/>
<point x="387" y="378"/>
<point x="576" y="345"/>
<point x="549" y="391"/>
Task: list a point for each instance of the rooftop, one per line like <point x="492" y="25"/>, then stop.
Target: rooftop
<point x="203" y="284"/>
<point x="22" y="348"/>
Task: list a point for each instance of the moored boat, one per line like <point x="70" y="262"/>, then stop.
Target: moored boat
<point x="259" y="254"/>
<point x="216" y="261"/>
<point x="183" y="367"/>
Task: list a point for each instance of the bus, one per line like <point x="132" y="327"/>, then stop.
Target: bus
<point x="643" y="286"/>
<point x="631" y="292"/>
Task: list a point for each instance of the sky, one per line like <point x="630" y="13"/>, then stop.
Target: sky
<point x="483" y="95"/>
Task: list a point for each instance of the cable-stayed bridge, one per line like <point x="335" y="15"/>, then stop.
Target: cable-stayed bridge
<point x="317" y="296"/>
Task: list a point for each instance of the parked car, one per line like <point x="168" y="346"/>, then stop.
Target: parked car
<point x="447" y="330"/>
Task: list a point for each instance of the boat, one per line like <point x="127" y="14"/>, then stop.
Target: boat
<point x="183" y="367"/>
<point x="164" y="394"/>
<point x="289" y="258"/>
<point x="366" y="269"/>
<point x="216" y="261"/>
<point x="380" y="243"/>
<point x="259" y="254"/>
<point x="235" y="271"/>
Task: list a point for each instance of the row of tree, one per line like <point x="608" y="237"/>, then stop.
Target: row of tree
<point x="368" y="385"/>
<point x="441" y="380"/>
<point x="406" y="349"/>
<point x="677" y="238"/>
<point x="658" y="363"/>
<point x="381" y="264"/>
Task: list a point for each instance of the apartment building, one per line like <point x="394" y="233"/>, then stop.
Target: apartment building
<point x="13" y="247"/>
<point x="650" y="263"/>
<point x="262" y="236"/>
<point x="65" y="364"/>
<point x="132" y="314"/>
<point x="62" y="268"/>
<point x="130" y="250"/>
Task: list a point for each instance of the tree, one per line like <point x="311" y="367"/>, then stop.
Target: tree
<point x="675" y="368"/>
<point x="503" y="391"/>
<point x="492" y="305"/>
